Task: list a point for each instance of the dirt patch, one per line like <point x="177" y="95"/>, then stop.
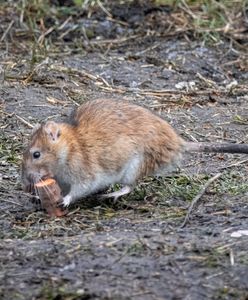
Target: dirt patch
<point x="133" y="249"/>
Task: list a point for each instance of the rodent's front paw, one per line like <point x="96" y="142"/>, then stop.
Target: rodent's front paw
<point x="66" y="201"/>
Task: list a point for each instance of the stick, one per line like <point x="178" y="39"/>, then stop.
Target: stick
<point x="7" y="30"/>
<point x="19" y="118"/>
<point x="198" y="197"/>
<point x="43" y="35"/>
<point x="24" y="121"/>
<point x="234" y="164"/>
<point x="12" y="202"/>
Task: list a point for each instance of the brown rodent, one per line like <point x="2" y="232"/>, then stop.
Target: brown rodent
<point x="107" y="142"/>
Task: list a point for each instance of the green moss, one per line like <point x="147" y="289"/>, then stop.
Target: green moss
<point x="136" y="248"/>
<point x="231" y="183"/>
<point x="228" y="292"/>
<point x="178" y="186"/>
<point x="10" y="149"/>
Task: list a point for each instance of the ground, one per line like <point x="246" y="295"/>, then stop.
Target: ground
<point x="135" y="248"/>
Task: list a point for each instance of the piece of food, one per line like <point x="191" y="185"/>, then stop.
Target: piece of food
<point x="45" y="182"/>
<point x="50" y="196"/>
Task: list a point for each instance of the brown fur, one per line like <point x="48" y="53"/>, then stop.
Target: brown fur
<point x="106" y="135"/>
<point x="112" y="131"/>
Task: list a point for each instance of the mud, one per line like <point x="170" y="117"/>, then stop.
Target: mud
<point x="133" y="249"/>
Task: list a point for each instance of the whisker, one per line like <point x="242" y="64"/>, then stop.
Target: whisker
<point x="46" y="188"/>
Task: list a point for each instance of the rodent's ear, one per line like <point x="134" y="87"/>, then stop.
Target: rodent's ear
<point x="52" y="129"/>
<point x="35" y="128"/>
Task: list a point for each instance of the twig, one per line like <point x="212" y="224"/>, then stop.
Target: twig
<point x="209" y="83"/>
<point x="60" y="68"/>
<point x="231" y="257"/>
<point x="20" y="119"/>
<point x="69" y="97"/>
<point x="115" y="41"/>
<point x="12" y="202"/>
<point x="238" y="163"/>
<point x="65" y="23"/>
<point x="147" y="49"/>
<point x="43" y="35"/>
<point x="159" y="93"/>
<point x="198" y="197"/>
<point x="104" y="9"/>
<point x="163" y="92"/>
<point x="7" y="30"/>
<point x="24" y="121"/>
<point x="140" y="294"/>
<point x="187" y="10"/>
<point x="117" y="21"/>
<point x="67" y="32"/>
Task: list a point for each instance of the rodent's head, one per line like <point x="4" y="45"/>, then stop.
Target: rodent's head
<point x="40" y="158"/>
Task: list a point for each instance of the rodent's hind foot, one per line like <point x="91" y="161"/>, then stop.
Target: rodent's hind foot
<point x="123" y="191"/>
<point x="66" y="200"/>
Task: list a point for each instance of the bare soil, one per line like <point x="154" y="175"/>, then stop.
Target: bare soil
<point x="133" y="249"/>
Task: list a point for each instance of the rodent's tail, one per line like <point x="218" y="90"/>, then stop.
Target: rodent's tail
<point x="216" y="148"/>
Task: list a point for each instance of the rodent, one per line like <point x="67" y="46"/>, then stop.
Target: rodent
<point x="107" y="142"/>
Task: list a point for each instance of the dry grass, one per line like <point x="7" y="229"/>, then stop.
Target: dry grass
<point x="209" y="20"/>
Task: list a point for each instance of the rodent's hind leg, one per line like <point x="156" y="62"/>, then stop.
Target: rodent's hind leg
<point x="123" y="191"/>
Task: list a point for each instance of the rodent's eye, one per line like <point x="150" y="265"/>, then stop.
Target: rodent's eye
<point x="36" y="154"/>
